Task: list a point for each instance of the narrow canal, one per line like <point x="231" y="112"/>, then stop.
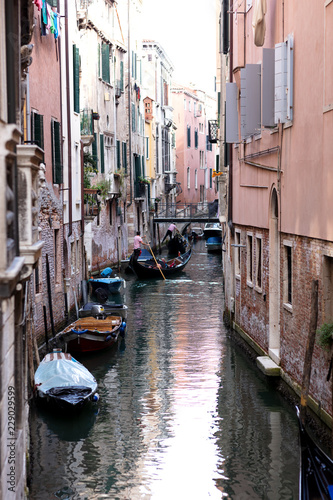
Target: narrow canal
<point x="183" y="413"/>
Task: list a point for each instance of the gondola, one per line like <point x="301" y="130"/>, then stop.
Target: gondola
<point x="64" y="384"/>
<point x="110" y="309"/>
<point x="316" y="470"/>
<point x="171" y="267"/>
<point x="93" y="333"/>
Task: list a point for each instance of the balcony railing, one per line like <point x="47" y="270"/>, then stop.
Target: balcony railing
<point x="87" y="124"/>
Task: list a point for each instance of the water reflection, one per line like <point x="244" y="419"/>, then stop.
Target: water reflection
<point x="183" y="414"/>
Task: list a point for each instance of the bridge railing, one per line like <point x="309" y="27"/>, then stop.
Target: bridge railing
<point x="185" y="211"/>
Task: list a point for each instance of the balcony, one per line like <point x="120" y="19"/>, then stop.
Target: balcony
<point x="87" y="127"/>
<point x="92" y="202"/>
<point x="115" y="185"/>
<point x="213" y="130"/>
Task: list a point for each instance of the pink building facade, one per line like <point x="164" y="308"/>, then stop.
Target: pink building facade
<point x="279" y="120"/>
<point x="195" y="155"/>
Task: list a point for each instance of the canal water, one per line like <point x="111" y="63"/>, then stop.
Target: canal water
<point x="183" y="413"/>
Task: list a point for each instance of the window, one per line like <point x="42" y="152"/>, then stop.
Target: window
<point x="287" y="273"/>
<point x="188" y="136"/>
<point x="210" y="178"/>
<point x="37" y="129"/>
<point x="189" y="106"/>
<point x="37" y="278"/>
<point x="249" y="259"/>
<point x="196" y="178"/>
<point x="185" y="104"/>
<point x="56" y="152"/>
<point x="196" y="139"/>
<point x="133" y="117"/>
<point x="147" y="147"/>
<point x="259" y="262"/>
<point x="106" y="62"/>
<point x="237" y="253"/>
<point x="76" y="78"/>
<point x="188" y="178"/>
<point x="202" y="158"/>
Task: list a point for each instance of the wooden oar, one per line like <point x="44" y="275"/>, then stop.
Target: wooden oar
<point x="158" y="265"/>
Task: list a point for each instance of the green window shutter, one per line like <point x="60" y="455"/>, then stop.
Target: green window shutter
<point x="94" y="149"/>
<point x="57" y="171"/>
<point x="98" y="60"/>
<point x="196" y="138"/>
<point x="217" y="166"/>
<point x="101" y="143"/>
<point x="218" y="106"/>
<point x="143" y="170"/>
<point x="122" y="76"/>
<point x="125" y="156"/>
<point x="210" y="177"/>
<point x="188" y="136"/>
<point x="105" y="62"/>
<point x="37" y="122"/>
<point x="133" y="118"/>
<point x="118" y="156"/>
<point x="76" y="78"/>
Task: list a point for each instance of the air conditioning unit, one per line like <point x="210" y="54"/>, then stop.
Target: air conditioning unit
<point x="106" y="96"/>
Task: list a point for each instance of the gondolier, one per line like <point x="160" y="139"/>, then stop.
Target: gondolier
<point x="170" y="230"/>
<point x="138" y="241"/>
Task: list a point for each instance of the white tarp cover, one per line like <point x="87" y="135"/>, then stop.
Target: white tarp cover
<point x="258" y="22"/>
<point x="62" y="370"/>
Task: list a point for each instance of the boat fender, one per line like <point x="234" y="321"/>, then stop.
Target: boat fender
<point x="123" y="327"/>
<point x="96" y="397"/>
<point x="78" y="332"/>
<point x="108" y="338"/>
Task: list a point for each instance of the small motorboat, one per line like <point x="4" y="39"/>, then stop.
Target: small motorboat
<point x="63" y="383"/>
<point x="316" y="470"/>
<point x="149" y="269"/>
<point x="214" y="244"/>
<point x="212" y="229"/>
<point x="93" y="333"/>
<point x="106" y="281"/>
<point x="110" y="309"/>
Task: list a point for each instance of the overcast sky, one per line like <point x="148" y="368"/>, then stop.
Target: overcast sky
<point x="186" y="29"/>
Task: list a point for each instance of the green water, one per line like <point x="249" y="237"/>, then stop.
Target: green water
<point x="183" y="414"/>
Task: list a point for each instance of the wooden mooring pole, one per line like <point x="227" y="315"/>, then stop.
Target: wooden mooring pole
<point x="309" y="349"/>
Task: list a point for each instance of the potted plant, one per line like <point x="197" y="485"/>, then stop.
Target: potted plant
<point x="143" y="180"/>
<point x="325" y="336"/>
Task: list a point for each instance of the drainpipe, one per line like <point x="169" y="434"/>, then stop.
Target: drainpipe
<point x="69" y="128"/>
<point x="129" y="107"/>
<point x="230" y="155"/>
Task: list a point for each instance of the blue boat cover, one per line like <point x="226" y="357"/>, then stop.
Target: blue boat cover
<point x="106" y="273"/>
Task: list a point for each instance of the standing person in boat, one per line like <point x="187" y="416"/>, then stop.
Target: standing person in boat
<point x="138" y="241"/>
<point x="170" y="230"/>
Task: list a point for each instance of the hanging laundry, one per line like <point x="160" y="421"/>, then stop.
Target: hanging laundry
<point x="38" y="3"/>
<point x="55" y="22"/>
<point x="49" y="10"/>
<point x="44" y="12"/>
<point x="258" y="22"/>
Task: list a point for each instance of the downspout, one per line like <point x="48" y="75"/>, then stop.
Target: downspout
<point x="230" y="155"/>
<point x="129" y="107"/>
<point x="69" y="127"/>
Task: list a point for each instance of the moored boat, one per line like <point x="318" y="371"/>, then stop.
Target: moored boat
<point x="93" y="333"/>
<point x="109" y="285"/>
<point x="212" y="229"/>
<point x="316" y="469"/>
<point x="214" y="244"/>
<point x="63" y="383"/>
<point x="110" y="309"/>
<point x="149" y="269"/>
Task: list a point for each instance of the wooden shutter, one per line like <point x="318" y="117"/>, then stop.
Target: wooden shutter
<point x="105" y="62"/>
<point x="94" y="149"/>
<point x="122" y="76"/>
<point x="188" y="136"/>
<point x="125" y="156"/>
<point x="118" y="156"/>
<point x="76" y="78"/>
<point x="37" y="127"/>
<point x="57" y="171"/>
<point x="101" y="143"/>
